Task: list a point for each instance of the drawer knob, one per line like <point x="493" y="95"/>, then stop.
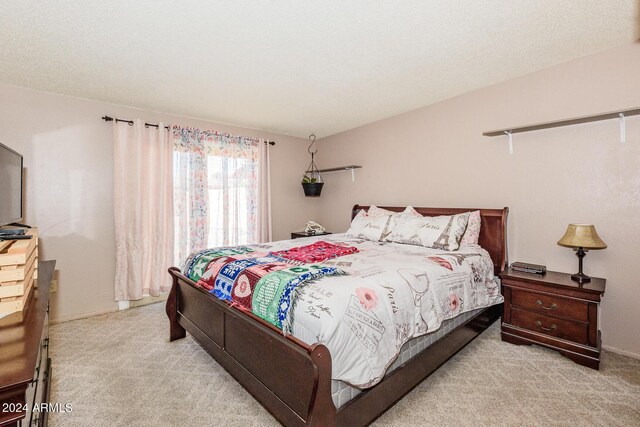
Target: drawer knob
<point x="553" y="306"/>
<point x="553" y="326"/>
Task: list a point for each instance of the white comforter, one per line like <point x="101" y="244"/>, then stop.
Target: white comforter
<point x="393" y="293"/>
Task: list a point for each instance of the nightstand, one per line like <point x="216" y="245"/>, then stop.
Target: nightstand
<point x="553" y="311"/>
<point x="299" y="234"/>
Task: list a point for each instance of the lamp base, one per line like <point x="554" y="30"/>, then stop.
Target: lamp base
<point x="580" y="278"/>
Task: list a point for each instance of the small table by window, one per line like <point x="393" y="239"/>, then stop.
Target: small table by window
<point x="299" y="234"/>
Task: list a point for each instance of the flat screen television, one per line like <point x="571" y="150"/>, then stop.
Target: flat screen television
<point x="10" y="185"/>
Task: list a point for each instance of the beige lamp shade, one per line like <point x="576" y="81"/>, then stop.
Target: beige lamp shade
<point x="582" y="236"/>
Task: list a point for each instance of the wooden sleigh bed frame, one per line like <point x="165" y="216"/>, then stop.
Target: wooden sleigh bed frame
<point x="291" y="379"/>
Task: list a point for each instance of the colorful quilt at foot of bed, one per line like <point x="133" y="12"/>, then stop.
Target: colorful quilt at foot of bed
<point x="195" y="265"/>
<point x="262" y="283"/>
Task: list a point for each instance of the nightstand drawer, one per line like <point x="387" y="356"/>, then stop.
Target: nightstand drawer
<point x="550" y="305"/>
<point x="564" y="329"/>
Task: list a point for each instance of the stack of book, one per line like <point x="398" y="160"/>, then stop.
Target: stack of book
<point x="18" y="271"/>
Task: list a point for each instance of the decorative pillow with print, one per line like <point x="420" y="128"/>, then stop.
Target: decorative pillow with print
<point x="396" y="218"/>
<point x="376" y="211"/>
<point x="409" y="211"/>
<point x="367" y="227"/>
<point x="440" y="232"/>
<point x="472" y="233"/>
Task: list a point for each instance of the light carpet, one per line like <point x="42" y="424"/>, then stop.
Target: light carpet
<point x="119" y="369"/>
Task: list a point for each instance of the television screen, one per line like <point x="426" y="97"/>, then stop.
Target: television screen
<point x="10" y="186"/>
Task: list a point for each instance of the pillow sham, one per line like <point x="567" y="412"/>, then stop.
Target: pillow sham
<point x="472" y="233"/>
<point x="368" y="227"/>
<point x="394" y="218"/>
<point x="440" y="232"/>
<point x="376" y="211"/>
<point x="408" y="211"/>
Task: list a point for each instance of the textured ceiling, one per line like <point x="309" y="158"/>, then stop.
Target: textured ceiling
<point x="292" y="66"/>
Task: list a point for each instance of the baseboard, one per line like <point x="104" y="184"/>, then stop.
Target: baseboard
<point x="81" y="316"/>
<point x="622" y="352"/>
<point x="122" y="305"/>
<point x="148" y="299"/>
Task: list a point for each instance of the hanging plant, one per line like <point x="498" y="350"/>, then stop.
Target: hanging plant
<point x="312" y="181"/>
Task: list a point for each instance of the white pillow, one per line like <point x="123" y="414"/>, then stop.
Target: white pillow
<point x="440" y="232"/>
<point x="368" y="227"/>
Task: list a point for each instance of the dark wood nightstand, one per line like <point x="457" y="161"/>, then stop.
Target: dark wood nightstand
<point x="299" y="234"/>
<point x="553" y="311"/>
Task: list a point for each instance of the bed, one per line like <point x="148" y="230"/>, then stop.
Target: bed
<point x="307" y="394"/>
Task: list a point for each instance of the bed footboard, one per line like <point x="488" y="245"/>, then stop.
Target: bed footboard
<point x="291" y="379"/>
<point x="176" y="331"/>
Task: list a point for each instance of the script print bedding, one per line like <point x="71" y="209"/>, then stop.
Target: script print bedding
<point x="389" y="293"/>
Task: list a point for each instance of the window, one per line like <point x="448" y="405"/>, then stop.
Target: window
<point x="215" y="182"/>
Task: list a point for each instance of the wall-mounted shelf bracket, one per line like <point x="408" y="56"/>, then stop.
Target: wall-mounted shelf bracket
<point x="351" y="168"/>
<point x="566" y="122"/>
<point x="620" y="114"/>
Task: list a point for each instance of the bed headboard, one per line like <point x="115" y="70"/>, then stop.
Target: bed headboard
<point x="493" y="228"/>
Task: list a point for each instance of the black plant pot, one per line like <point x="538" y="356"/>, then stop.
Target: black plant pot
<point x="312" y="189"/>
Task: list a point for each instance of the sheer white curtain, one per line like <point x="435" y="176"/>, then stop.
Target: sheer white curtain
<point x="221" y="190"/>
<point x="143" y="207"/>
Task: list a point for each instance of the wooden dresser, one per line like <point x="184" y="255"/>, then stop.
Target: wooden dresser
<point x="553" y="311"/>
<point x="25" y="365"/>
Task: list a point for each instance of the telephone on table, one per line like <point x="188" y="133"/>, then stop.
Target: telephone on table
<point x="313" y="228"/>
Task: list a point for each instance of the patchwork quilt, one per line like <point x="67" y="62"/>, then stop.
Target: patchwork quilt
<point x="363" y="304"/>
<point x="262" y="282"/>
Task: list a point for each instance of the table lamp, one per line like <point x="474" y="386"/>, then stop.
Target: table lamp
<point x="581" y="236"/>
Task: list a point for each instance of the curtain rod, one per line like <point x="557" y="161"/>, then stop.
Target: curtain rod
<point x="110" y="119"/>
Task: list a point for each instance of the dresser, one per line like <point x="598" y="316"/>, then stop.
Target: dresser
<point x="25" y="365"/>
<point x="553" y="311"/>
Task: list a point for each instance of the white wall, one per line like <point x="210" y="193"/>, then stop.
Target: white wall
<point x="68" y="159"/>
<point x="437" y="156"/>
